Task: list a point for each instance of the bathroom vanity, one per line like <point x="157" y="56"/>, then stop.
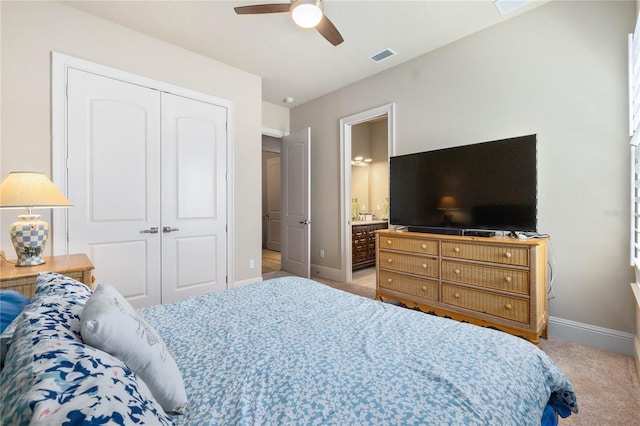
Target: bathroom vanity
<point x="363" y="242"/>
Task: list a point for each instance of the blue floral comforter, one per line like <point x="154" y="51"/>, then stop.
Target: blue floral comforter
<point x="291" y="351"/>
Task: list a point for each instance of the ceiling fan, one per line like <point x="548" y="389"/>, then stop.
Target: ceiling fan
<point x="305" y="13"/>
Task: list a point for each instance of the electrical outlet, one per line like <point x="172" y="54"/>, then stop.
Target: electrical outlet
<point x="252" y="264"/>
<point x="321" y="253"/>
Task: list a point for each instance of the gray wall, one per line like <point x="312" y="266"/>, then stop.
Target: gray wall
<point x="559" y="71"/>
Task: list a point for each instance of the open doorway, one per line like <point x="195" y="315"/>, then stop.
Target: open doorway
<point x="288" y="214"/>
<point x="271" y="204"/>
<point x="355" y="131"/>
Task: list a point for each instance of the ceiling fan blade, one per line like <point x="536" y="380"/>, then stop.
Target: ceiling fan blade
<point x="329" y="31"/>
<point x="263" y="8"/>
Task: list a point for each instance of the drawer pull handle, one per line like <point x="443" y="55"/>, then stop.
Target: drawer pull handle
<point x="457" y="271"/>
<point x="508" y="306"/>
<point x="457" y="295"/>
<point x="424" y="266"/>
<point x="390" y="260"/>
<point x="456" y="249"/>
<point x="424" y="246"/>
<point x="424" y="288"/>
<point x="507" y="279"/>
<point x="507" y="255"/>
<point x="389" y="280"/>
<point x="389" y="242"/>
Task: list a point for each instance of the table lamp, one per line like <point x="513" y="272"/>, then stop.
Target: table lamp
<point x="448" y="205"/>
<point x="30" y="190"/>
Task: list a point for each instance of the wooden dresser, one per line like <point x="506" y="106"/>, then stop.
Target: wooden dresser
<point x="363" y="243"/>
<point x="23" y="278"/>
<point x="495" y="282"/>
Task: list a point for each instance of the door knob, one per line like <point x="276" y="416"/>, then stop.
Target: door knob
<point x="305" y="222"/>
<point x="152" y="230"/>
<point x="166" y="229"/>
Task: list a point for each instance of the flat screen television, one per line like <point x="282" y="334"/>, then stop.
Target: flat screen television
<point x="466" y="189"/>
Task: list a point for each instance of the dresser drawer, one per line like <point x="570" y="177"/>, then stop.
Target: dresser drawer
<point x="421" y="287"/>
<point x="511" y="308"/>
<point x="411" y="264"/>
<point x="487" y="253"/>
<point x="511" y="280"/>
<point x="409" y="245"/>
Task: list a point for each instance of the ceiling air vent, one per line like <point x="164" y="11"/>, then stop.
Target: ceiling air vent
<point x="382" y="55"/>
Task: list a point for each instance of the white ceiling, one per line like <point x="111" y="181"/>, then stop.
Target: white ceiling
<point x="299" y="63"/>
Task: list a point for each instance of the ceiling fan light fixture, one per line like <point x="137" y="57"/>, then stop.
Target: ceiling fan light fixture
<point x="306" y="13"/>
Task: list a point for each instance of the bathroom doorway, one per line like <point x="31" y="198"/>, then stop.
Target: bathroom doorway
<point x="367" y="141"/>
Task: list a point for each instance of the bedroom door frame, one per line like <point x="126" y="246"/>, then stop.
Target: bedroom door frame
<point x="346" y="124"/>
<point x="60" y="63"/>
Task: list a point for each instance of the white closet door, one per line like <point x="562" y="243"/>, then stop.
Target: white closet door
<point x="194" y="195"/>
<point x="113" y="180"/>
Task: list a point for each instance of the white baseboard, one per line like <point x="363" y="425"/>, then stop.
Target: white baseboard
<point x="332" y="274"/>
<point x="590" y="335"/>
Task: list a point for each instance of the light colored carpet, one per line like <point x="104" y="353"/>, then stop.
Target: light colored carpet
<point x="360" y="290"/>
<point x="606" y="384"/>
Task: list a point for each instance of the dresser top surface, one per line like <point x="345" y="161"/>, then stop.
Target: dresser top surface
<point x="464" y="238"/>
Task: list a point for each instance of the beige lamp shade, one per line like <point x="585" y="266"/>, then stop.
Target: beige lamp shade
<point x="30" y="190"/>
<point x="29" y="235"/>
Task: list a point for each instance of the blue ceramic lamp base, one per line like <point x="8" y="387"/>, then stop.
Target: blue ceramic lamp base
<point x="29" y="236"/>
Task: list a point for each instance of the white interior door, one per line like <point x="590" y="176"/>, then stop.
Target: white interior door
<point x="194" y="221"/>
<point x="274" y="204"/>
<point x="296" y="204"/>
<point x="113" y="168"/>
<point x="146" y="171"/>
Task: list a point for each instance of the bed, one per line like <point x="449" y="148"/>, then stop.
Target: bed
<point x="288" y="351"/>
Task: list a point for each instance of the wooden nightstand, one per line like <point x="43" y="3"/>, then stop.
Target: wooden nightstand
<point x="23" y="278"/>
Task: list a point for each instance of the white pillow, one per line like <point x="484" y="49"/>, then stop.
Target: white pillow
<point x="109" y="323"/>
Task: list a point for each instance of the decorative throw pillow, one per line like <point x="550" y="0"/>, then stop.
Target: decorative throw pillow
<point x="11" y="304"/>
<point x="60" y="381"/>
<point x="111" y="324"/>
<point x="54" y="283"/>
<point x="55" y="310"/>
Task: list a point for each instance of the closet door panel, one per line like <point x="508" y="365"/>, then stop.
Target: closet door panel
<point x="191" y="272"/>
<point x="128" y="277"/>
<point x="194" y="197"/>
<point x="195" y="146"/>
<point x="113" y="146"/>
<point x="124" y="145"/>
